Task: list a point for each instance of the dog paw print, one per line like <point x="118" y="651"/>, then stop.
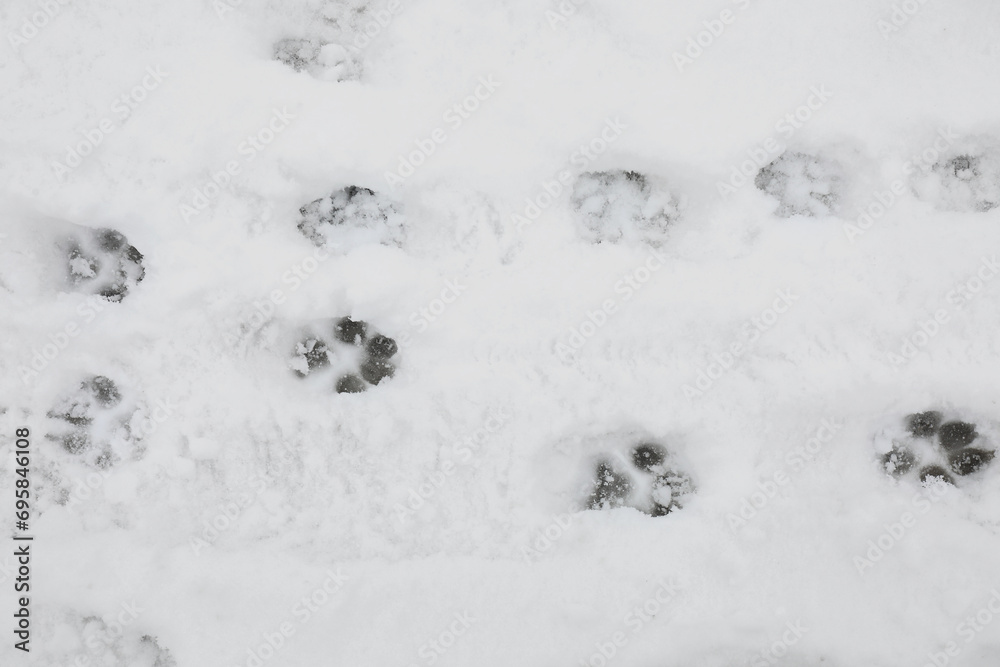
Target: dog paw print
<point x="321" y="59"/>
<point x="114" y="640"/>
<point x="965" y="182"/>
<point x="624" y="206"/>
<point x="347" y="354"/>
<point x="101" y="261"/>
<point x="95" y="423"/>
<point x="931" y="448"/>
<point x="802" y="184"/>
<point x="647" y="480"/>
<point x="351" y="216"/>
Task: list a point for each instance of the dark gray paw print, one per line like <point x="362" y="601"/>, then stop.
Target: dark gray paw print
<point x="348" y="351"/>
<point x="802" y="184"/>
<point x="963" y="182"/>
<point x="101" y="262"/>
<point x="647" y="480"/>
<point x="350" y="217"/>
<point x="934" y="449"/>
<point x="94" y="422"/>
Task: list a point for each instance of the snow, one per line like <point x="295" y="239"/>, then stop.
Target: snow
<point x="770" y="353"/>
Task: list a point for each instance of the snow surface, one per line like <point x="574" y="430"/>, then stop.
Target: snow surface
<point x="492" y="413"/>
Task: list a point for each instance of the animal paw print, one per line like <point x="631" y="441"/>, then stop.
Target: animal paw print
<point x="351" y="216"/>
<point x="95" y="423"/>
<point x="624" y="206"/>
<point x="803" y="184"/>
<point x="348" y="351"/>
<point x="647" y="480"/>
<point x="112" y="641"/>
<point x="965" y="182"/>
<point x="936" y="449"/>
<point x="321" y="59"/>
<point x="101" y="261"/>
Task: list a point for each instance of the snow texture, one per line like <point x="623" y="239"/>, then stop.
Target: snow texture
<point x="671" y="337"/>
<point x="623" y="206"/>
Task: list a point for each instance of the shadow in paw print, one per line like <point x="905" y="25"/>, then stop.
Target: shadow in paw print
<point x="351" y="216"/>
<point x="116" y="641"/>
<point x="923" y="424"/>
<point x="76" y="442"/>
<point x="611" y="488"/>
<point x="803" y="184"/>
<point x="955" y="435"/>
<point x="376" y="370"/>
<point x="623" y="206"/>
<point x="381" y="347"/>
<point x="935" y="472"/>
<point x="94" y="422"/>
<point x="965" y="177"/>
<point x="350" y="384"/>
<point x="313" y="355"/>
<point x="968" y="461"/>
<point x="104" y="391"/>
<point x="669" y="491"/>
<point x="943" y="447"/>
<point x="899" y="461"/>
<point x="969" y="182"/>
<point x="648" y="457"/>
<point x="102" y="262"/>
<point x="351" y="331"/>
<point x="645" y="481"/>
<point x="344" y="349"/>
<point x="323" y="60"/>
<point x="298" y="54"/>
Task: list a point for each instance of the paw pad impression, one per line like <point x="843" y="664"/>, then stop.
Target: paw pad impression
<point x="936" y="448"/>
<point x="646" y="480"/>
<point x="803" y="184"/>
<point x="967" y="181"/>
<point x="101" y="261"/>
<point x="95" y="423"/>
<point x="351" y="216"/>
<point x="321" y="59"/>
<point x="347" y="350"/>
<point x="623" y="206"/>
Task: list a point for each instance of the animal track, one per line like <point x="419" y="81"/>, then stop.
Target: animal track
<point x="803" y="184"/>
<point x="344" y="349"/>
<point x="95" y="423"/>
<point x="936" y="448"/>
<point x="101" y="261"/>
<point x="111" y="641"/>
<point x="351" y="216"/>
<point x="623" y="206"/>
<point x="647" y="480"/>
<point x="321" y="59"/>
<point x="966" y="181"/>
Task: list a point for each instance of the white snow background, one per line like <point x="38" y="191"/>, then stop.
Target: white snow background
<point x="326" y="473"/>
